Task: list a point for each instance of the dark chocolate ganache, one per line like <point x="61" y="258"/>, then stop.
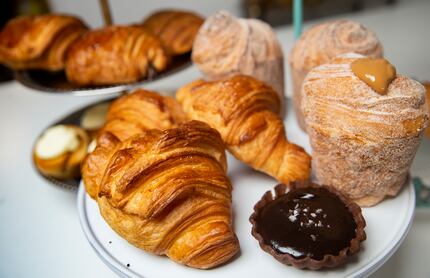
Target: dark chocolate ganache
<point x="307" y="222"/>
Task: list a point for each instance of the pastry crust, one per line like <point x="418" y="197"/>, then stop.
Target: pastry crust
<point x="363" y="143"/>
<point x="320" y="44"/>
<point x="176" y="29"/>
<point x="66" y="165"/>
<point x="114" y="55"/>
<point x="226" y="46"/>
<point x="167" y="192"/>
<point x="245" y="112"/>
<point x="39" y="42"/>
<point x="128" y="116"/>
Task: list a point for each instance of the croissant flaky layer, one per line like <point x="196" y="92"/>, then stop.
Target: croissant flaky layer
<point x="363" y="143"/>
<point x="167" y="192"/>
<point x="245" y="112"/>
<point x="128" y="116"/>
<point x="176" y="29"/>
<point x="39" y="42"/>
<point x="113" y="55"/>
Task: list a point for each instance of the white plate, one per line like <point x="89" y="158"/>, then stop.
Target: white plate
<point x="387" y="226"/>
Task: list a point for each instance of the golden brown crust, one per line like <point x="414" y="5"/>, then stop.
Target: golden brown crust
<point x="176" y="29"/>
<point x="363" y="143"/>
<point x="167" y="192"/>
<point x="245" y="112"/>
<point x="427" y="86"/>
<point x="39" y="42"/>
<point x="113" y="55"/>
<point x="66" y="165"/>
<point x="128" y="116"/>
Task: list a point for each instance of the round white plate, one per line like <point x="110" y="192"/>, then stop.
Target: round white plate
<point x="387" y="226"/>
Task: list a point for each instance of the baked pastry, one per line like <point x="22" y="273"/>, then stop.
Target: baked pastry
<point x="129" y="115"/>
<point x="60" y="150"/>
<point x="226" y="46"/>
<point x="245" y="111"/>
<point x="308" y="226"/>
<point x="94" y="118"/>
<point x="320" y="44"/>
<point x="167" y="193"/>
<point x="363" y="141"/>
<point x="142" y="110"/>
<point x="38" y="42"/>
<point x="176" y="29"/>
<point x="427" y="86"/>
<point x="113" y="55"/>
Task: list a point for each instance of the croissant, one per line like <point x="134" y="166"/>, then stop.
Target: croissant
<point x="323" y="42"/>
<point x="245" y="112"/>
<point x="176" y="29"/>
<point x="129" y="115"/>
<point x="167" y="192"/>
<point x="39" y="42"/>
<point x="363" y="143"/>
<point x="226" y="46"/>
<point x="113" y="55"/>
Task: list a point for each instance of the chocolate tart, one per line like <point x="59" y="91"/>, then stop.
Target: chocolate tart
<point x="308" y="226"/>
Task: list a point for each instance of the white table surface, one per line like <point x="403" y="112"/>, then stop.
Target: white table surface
<point x="40" y="235"/>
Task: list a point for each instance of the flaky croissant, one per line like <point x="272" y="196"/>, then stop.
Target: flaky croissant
<point x="130" y="115"/>
<point x="176" y="29"/>
<point x="113" y="55"/>
<point x="167" y="192"/>
<point x="39" y="42"/>
<point x="245" y="112"/>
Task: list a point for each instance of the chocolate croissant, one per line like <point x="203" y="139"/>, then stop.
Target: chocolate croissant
<point x="176" y="29"/>
<point x="113" y="55"/>
<point x="129" y="115"/>
<point x="363" y="142"/>
<point x="39" y="42"/>
<point x="245" y="112"/>
<point x="167" y="192"/>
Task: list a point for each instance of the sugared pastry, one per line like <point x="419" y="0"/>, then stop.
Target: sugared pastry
<point x="114" y="55"/>
<point x="246" y="113"/>
<point x="308" y="226"/>
<point x="226" y="46"/>
<point x="363" y="138"/>
<point x="60" y="151"/>
<point x="167" y="193"/>
<point x="427" y="86"/>
<point x="38" y="42"/>
<point x="128" y="116"/>
<point x="176" y="29"/>
<point x="320" y="44"/>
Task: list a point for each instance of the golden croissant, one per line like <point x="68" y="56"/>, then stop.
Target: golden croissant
<point x="167" y="192"/>
<point x="245" y="112"/>
<point x="128" y="116"/>
<point x="116" y="54"/>
<point x="39" y="42"/>
<point x="176" y="29"/>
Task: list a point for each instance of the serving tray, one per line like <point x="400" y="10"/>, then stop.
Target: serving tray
<point x="387" y="226"/>
<point x="57" y="83"/>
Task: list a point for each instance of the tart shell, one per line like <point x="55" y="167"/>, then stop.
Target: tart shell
<point x="328" y="261"/>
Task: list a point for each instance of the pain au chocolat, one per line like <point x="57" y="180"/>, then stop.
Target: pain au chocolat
<point x="115" y="55"/>
<point x="363" y="141"/>
<point x="39" y="42"/>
